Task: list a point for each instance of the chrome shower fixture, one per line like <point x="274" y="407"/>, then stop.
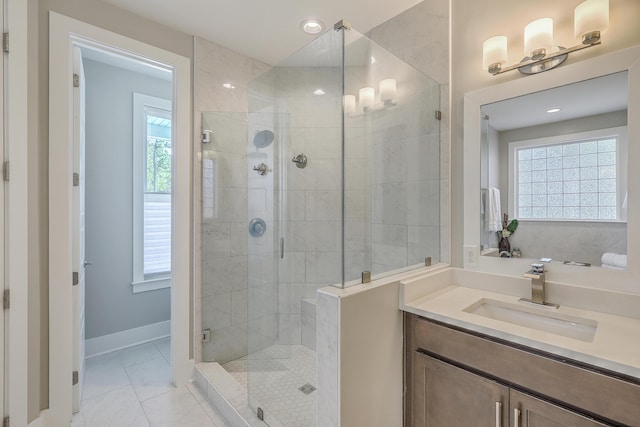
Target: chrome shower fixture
<point x="300" y="160"/>
<point x="261" y="169"/>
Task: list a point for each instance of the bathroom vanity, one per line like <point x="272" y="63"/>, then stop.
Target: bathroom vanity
<point x="468" y="365"/>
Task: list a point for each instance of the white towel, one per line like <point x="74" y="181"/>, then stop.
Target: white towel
<point x="614" y="260"/>
<point x="493" y="214"/>
<point x="612" y="267"/>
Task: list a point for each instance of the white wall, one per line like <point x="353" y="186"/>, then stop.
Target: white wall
<point x="474" y="22"/>
<point x="111" y="306"/>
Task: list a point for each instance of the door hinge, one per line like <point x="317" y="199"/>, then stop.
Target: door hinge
<point x="6" y="299"/>
<point x="438" y="115"/>
<point x="76" y="80"/>
<point x="5" y="171"/>
<point x="5" y="42"/>
<point x="75" y="378"/>
<point x="75" y="278"/>
<point x="5" y="422"/>
<point x="76" y="179"/>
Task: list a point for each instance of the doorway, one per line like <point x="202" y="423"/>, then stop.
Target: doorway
<point x="66" y="259"/>
<point x="123" y="149"/>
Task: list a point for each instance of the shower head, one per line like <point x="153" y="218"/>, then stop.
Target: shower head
<point x="263" y="139"/>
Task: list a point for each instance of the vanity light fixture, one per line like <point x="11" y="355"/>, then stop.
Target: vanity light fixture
<point x="367" y="98"/>
<point x="349" y="104"/>
<point x="311" y="26"/>
<point x="591" y="18"/>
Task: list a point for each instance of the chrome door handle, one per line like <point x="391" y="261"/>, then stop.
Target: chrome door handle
<point x="516" y="417"/>
<point x="498" y="414"/>
<point x="85" y="263"/>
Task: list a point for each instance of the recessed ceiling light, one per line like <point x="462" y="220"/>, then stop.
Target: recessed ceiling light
<point x="318" y="92"/>
<point x="228" y="86"/>
<point x="311" y="26"/>
<point x="553" y="110"/>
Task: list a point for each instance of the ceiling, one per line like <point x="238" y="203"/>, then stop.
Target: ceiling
<point x="587" y="98"/>
<point x="267" y="30"/>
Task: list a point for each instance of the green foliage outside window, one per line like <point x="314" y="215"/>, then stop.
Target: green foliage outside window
<point x="158" y="165"/>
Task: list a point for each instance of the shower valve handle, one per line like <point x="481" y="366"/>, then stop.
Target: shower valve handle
<point x="300" y="160"/>
<point x="261" y="169"/>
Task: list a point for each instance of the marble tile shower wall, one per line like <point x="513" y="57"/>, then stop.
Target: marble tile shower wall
<point x="221" y="270"/>
<point x="420" y="37"/>
<point x="310" y="198"/>
<point x="405" y="187"/>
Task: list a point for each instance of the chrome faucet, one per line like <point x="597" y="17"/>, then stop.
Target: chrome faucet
<point x="538" y="285"/>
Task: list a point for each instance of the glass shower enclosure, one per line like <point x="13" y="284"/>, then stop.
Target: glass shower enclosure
<point x="333" y="174"/>
<point x="344" y="179"/>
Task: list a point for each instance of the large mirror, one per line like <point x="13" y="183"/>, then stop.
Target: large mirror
<point x="556" y="162"/>
<point x="564" y="223"/>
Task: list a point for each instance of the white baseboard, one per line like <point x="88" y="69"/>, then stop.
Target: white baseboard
<point x="123" y="339"/>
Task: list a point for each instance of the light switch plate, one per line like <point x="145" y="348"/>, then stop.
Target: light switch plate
<point x="470" y="253"/>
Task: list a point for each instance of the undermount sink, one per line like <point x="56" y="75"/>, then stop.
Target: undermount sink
<point x="541" y="319"/>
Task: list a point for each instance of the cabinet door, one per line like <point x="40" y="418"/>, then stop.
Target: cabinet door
<point x="528" y="411"/>
<point x="444" y="396"/>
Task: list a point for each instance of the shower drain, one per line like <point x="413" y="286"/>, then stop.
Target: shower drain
<point x="307" y="388"/>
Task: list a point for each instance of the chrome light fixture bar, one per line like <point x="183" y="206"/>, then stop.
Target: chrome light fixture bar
<point x="541" y="61"/>
<point x="591" y="18"/>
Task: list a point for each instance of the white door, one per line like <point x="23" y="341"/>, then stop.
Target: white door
<point x="78" y="261"/>
<point x="4" y="344"/>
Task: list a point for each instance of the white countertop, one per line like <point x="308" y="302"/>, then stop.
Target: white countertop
<point x="615" y="346"/>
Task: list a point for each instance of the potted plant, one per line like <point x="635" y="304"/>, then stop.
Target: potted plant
<point x="508" y="228"/>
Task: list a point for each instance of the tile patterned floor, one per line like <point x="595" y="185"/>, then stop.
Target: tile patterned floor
<point x="132" y="387"/>
<point x="277" y="373"/>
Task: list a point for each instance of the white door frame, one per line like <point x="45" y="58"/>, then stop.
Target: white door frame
<point x="17" y="213"/>
<point x="64" y="32"/>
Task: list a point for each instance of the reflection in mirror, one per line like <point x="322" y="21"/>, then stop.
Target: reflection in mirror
<point x="555" y="161"/>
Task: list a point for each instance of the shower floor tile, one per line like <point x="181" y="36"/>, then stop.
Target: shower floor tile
<point x="277" y="375"/>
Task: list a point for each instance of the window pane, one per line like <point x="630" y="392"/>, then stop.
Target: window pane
<point x="575" y="180"/>
<point x="590" y="187"/>
<point x="589" y="147"/>
<point x="589" y="160"/>
<point x="524" y="154"/>
<point x="554" y="151"/>
<point x="608" y="158"/>
<point x="607" y="145"/>
<point x="524" y="165"/>
<point x="589" y="173"/>
<point x="539" y="153"/>
<point x="571" y="162"/>
<point x="539" y="164"/>
<point x="554" y="187"/>
<point x="157" y="193"/>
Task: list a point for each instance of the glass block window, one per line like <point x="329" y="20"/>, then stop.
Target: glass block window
<point x="568" y="181"/>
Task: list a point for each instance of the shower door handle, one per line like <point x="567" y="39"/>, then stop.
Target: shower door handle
<point x="281" y="247"/>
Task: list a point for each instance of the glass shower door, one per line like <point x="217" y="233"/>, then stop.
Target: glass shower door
<point x="300" y="200"/>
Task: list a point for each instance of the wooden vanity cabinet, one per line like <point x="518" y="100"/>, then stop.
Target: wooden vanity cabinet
<point x="463" y="379"/>
<point x="534" y="412"/>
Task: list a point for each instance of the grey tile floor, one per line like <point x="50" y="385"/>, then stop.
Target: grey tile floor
<point x="132" y="387"/>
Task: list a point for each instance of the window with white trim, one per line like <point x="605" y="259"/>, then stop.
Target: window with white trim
<point x="152" y="162"/>
<point x="580" y="177"/>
